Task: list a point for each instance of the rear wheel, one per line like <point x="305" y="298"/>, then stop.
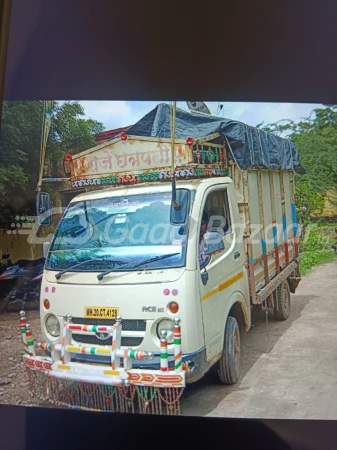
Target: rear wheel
<point x="229" y="364"/>
<point x="282" y="301"/>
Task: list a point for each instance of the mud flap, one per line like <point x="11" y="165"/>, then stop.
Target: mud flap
<point x="294" y="280"/>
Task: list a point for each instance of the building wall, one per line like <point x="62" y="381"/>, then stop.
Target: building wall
<point x="330" y="206"/>
<point x="19" y="248"/>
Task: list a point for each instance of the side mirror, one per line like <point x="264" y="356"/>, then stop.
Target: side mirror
<point x="213" y="243"/>
<point x="43" y="209"/>
<point x="179" y="216"/>
<point x="46" y="246"/>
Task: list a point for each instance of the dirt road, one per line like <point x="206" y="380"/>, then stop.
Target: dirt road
<point x="292" y="373"/>
<point x="13" y="379"/>
<point x="288" y="368"/>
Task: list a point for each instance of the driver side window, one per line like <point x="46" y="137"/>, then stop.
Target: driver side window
<point x="216" y="212"/>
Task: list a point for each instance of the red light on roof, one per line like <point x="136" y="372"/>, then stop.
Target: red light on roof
<point x="189" y="141"/>
<point x="124" y="136"/>
<point x="68" y="158"/>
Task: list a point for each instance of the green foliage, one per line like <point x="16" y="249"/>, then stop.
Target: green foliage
<point x="315" y="248"/>
<point x="20" y="144"/>
<point x="316" y="140"/>
<point x="311" y="259"/>
<point x="69" y="132"/>
<point x="319" y="238"/>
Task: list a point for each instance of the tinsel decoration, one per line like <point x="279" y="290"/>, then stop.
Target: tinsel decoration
<point x="104" y="398"/>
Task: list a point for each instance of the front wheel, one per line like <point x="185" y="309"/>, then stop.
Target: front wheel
<point x="229" y="364"/>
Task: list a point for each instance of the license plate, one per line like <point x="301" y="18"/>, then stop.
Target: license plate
<point x="97" y="312"/>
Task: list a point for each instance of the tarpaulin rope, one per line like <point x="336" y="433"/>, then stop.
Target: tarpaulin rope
<point x="46" y="123"/>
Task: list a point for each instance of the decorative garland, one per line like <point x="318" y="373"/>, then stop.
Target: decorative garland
<point x="211" y="155"/>
<point x="104" y="398"/>
<point x="153" y="176"/>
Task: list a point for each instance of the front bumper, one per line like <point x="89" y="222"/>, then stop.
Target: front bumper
<point x="109" y="365"/>
<point x="101" y="374"/>
<point x="194" y="364"/>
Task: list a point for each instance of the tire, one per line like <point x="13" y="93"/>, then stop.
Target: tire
<point x="229" y="364"/>
<point x="282" y="299"/>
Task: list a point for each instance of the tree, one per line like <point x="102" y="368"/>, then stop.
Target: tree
<point x="316" y="139"/>
<point x="69" y="132"/>
<point x="20" y="142"/>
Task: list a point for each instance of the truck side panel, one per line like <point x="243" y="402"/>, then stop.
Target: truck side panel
<point x="266" y="205"/>
<point x="289" y="186"/>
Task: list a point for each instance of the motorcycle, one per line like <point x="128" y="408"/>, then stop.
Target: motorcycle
<point x="5" y="262"/>
<point x="22" y="282"/>
<point x="5" y="284"/>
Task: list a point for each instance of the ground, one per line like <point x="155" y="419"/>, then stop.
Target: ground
<point x="288" y="368"/>
<point x="14" y="387"/>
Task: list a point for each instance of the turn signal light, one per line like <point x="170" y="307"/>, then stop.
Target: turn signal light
<point x="173" y="307"/>
<point x="46" y="304"/>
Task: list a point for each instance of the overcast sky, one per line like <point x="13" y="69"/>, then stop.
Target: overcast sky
<point x="123" y="113"/>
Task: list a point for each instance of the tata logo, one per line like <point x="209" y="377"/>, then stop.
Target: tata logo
<point x="102" y="336"/>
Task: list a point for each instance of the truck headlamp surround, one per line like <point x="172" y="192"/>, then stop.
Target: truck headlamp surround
<point x="167" y="325"/>
<point x="53" y="325"/>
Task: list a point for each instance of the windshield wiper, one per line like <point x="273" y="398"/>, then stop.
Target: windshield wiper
<point x="137" y="264"/>
<point x="62" y="272"/>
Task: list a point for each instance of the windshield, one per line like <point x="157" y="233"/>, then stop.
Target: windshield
<point x="104" y="234"/>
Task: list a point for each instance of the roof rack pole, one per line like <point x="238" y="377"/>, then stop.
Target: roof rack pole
<point x="175" y="204"/>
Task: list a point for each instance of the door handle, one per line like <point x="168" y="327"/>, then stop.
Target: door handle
<point x="236" y="255"/>
<point x="204" y="277"/>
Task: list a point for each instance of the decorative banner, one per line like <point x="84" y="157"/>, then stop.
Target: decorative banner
<point x="125" y="156"/>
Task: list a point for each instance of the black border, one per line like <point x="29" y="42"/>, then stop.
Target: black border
<point x="256" y="50"/>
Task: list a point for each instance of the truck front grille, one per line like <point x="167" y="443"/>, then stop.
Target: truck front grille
<point x="93" y="340"/>
<point x="127" y="325"/>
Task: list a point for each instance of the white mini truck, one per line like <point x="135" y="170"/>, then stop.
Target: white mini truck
<point x="127" y="299"/>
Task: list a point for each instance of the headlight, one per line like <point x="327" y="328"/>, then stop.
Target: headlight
<point x="168" y="326"/>
<point x="53" y="325"/>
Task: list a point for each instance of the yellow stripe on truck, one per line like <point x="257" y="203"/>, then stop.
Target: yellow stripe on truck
<point x="223" y="285"/>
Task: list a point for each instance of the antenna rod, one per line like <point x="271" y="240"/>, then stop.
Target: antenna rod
<point x="175" y="204"/>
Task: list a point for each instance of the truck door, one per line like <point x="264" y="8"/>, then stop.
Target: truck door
<point x="225" y="270"/>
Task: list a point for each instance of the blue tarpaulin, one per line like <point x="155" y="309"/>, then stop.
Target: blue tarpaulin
<point x="252" y="148"/>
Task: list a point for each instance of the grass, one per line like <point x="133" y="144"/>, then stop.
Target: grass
<point x="316" y="249"/>
<point x="311" y="259"/>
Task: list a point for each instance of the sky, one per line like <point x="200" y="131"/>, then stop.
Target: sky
<point x="115" y="114"/>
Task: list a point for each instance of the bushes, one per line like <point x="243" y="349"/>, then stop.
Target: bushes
<point x="315" y="258"/>
<point x="315" y="248"/>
